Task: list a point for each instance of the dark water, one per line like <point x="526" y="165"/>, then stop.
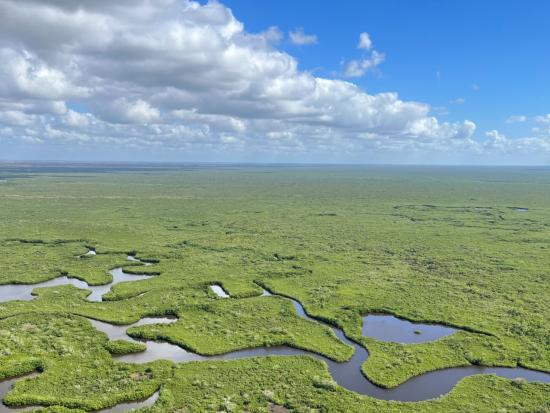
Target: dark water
<point x="5" y="386"/>
<point x="347" y="374"/>
<point x="24" y="291"/>
<point x="390" y="328"/>
<point x="125" y="407"/>
<point x="115" y="332"/>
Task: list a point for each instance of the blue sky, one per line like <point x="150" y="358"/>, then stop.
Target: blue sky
<point x="277" y="81"/>
<point x="501" y="47"/>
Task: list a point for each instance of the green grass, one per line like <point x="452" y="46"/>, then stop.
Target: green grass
<point x="427" y="244"/>
<point x="33" y="261"/>
<point x="228" y="325"/>
<point x="249" y="385"/>
<point x="120" y="347"/>
<point x="75" y="364"/>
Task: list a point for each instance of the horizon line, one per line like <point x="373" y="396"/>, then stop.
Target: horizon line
<point x="252" y="163"/>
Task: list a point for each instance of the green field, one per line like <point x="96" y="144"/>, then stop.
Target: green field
<point x="439" y="244"/>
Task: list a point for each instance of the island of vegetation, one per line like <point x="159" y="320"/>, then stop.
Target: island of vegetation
<point x="253" y="288"/>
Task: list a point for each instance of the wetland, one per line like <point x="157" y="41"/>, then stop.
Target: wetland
<point x="216" y="289"/>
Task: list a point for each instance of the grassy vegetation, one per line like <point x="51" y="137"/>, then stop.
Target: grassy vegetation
<point x="436" y="244"/>
<point x="74" y="362"/>
<point x="228" y="325"/>
<point x="27" y="261"/>
<point x="250" y="385"/>
<point x="120" y="347"/>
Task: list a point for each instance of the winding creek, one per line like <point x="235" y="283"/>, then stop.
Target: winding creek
<point x="347" y="374"/>
<point x="23" y="292"/>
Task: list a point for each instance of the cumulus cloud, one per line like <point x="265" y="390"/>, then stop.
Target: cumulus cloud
<point x="15" y="118"/>
<point x="497" y="142"/>
<point x="432" y="129"/>
<point x="177" y="74"/>
<point x="495" y="137"/>
<point x="273" y="34"/>
<point x="24" y="75"/>
<point x="298" y="37"/>
<point x="358" y="67"/>
<point x="139" y="111"/>
<point x="364" y="41"/>
<point x="76" y="119"/>
<point x="543" y="125"/>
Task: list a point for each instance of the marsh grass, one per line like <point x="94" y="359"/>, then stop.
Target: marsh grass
<point x="425" y="244"/>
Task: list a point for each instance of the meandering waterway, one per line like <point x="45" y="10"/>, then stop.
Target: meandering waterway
<point x="11" y="292"/>
<point x="347" y="374"/>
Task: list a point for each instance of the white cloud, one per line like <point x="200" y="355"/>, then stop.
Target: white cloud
<point x="175" y="74"/>
<point x="138" y="111"/>
<point x="298" y="37"/>
<point x="364" y="41"/>
<point x="516" y="119"/>
<point x="358" y="68"/>
<point x="495" y="136"/>
<point x="273" y="34"/>
<point x="15" y="118"/>
<point x="544" y="124"/>
<point x="24" y="75"/>
<point x="76" y="119"/>
<point x="498" y="143"/>
<point x="432" y="129"/>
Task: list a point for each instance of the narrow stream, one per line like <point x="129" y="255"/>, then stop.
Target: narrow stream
<point x="11" y="292"/>
<point x="23" y="292"/>
<point x="5" y="386"/>
<point x="347" y="374"/>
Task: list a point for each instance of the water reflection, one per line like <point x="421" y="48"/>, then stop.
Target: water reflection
<point x="219" y="291"/>
<point x="23" y="292"/>
<point x="389" y="328"/>
<point x="347" y="374"/>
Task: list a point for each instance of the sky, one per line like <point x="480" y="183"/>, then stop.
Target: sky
<point x="423" y="82"/>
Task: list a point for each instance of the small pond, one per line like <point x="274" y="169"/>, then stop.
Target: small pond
<point x="347" y="374"/>
<point x="219" y="291"/>
<point x="389" y="328"/>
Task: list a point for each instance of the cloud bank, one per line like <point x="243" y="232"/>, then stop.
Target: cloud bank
<point x="180" y="76"/>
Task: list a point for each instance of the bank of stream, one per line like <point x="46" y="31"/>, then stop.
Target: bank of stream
<point x="347" y="374"/>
